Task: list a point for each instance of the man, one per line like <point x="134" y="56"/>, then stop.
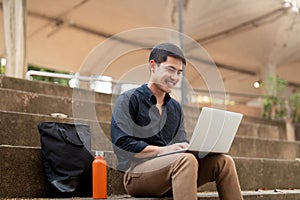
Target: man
<point x="146" y="122"/>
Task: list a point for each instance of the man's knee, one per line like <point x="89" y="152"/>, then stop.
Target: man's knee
<point x="188" y="157"/>
<point x="226" y="162"/>
<point x="188" y="160"/>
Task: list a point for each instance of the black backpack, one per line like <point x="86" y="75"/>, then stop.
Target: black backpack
<point x="66" y="157"/>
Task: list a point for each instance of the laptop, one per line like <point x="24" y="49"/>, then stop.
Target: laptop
<point x="213" y="133"/>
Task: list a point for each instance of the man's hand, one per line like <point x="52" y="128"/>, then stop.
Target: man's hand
<point x="152" y="151"/>
<point x="174" y="147"/>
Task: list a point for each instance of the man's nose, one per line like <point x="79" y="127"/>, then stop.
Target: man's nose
<point x="175" y="76"/>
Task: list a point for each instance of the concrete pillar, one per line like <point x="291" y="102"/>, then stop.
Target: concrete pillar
<point x="14" y="14"/>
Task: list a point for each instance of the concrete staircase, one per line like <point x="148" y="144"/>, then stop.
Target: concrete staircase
<point x="268" y="165"/>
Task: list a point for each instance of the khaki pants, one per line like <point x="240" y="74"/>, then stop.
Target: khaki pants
<point x="182" y="173"/>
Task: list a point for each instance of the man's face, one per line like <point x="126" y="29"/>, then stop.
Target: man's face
<point x="166" y="74"/>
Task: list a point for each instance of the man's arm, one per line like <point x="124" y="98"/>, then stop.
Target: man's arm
<point x="152" y="151"/>
<point x="122" y="126"/>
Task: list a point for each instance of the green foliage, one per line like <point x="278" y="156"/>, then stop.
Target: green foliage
<point x="276" y="107"/>
<point x="294" y="105"/>
<point x="42" y="78"/>
<point x="59" y="81"/>
<point x="273" y="103"/>
<point x="274" y="86"/>
<point x="2" y="69"/>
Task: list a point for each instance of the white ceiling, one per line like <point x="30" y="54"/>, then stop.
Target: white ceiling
<point x="240" y="36"/>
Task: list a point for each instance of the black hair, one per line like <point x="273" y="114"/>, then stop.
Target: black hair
<point x="160" y="52"/>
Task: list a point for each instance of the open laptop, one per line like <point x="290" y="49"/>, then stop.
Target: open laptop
<point x="214" y="132"/>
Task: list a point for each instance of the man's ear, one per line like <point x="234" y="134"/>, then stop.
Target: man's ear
<point x="152" y="64"/>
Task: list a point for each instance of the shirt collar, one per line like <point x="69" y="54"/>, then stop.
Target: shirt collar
<point x="151" y="97"/>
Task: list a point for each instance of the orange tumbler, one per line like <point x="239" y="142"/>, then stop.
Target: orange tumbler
<point x="99" y="176"/>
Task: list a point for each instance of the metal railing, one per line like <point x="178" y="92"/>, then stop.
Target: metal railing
<point x="195" y="97"/>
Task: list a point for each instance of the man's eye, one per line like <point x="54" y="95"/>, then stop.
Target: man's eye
<point x="171" y="70"/>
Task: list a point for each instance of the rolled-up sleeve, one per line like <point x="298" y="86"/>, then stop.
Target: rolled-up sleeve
<point x="124" y="141"/>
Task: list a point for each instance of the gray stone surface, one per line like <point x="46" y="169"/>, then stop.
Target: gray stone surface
<point x="20" y="129"/>
<point x="24" y="104"/>
<point x="23" y="165"/>
<point x="22" y="173"/>
<point x="244" y="146"/>
<point x="27" y="102"/>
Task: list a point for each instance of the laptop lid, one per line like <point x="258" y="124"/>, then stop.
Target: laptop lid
<point x="215" y="130"/>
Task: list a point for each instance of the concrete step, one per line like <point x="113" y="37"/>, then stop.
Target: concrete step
<point x="250" y="126"/>
<point x="257" y="173"/>
<point x="41" y="87"/>
<point x="245" y="146"/>
<point x="20" y="129"/>
<point x="247" y="195"/>
<point x="35" y="86"/>
<point x="33" y="101"/>
<point x="22" y="173"/>
<point x="37" y="96"/>
<point x="262" y="128"/>
<point x="276" y="194"/>
<point x="258" y="128"/>
<point x="254" y="174"/>
<point x="46" y="104"/>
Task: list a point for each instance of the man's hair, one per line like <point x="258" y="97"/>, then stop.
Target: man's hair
<point x="160" y="52"/>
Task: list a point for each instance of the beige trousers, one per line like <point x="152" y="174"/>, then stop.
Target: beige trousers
<point x="182" y="173"/>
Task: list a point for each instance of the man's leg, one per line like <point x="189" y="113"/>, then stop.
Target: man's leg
<point x="220" y="168"/>
<point x="159" y="175"/>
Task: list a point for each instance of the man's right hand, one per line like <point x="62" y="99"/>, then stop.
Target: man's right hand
<point x="174" y="147"/>
<point x="152" y="151"/>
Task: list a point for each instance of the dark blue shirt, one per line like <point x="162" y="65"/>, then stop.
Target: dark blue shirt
<point x="136" y="123"/>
